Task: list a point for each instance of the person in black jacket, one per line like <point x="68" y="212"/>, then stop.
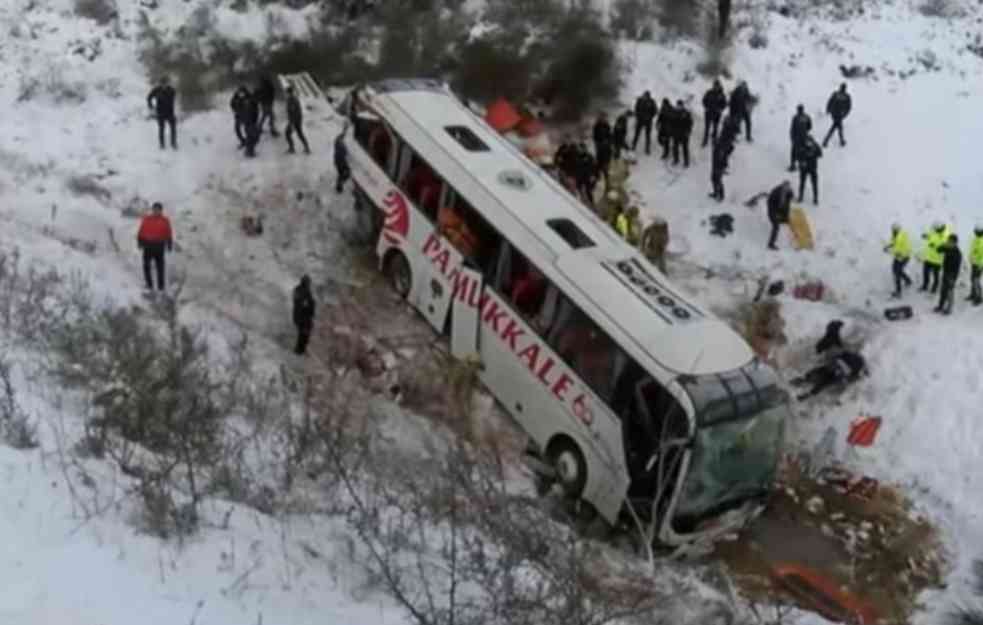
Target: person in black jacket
<point x="809" y="155"/>
<point x="586" y="174"/>
<point x="303" y="313"/>
<point x="718" y="166"/>
<point x="665" y="124"/>
<point x="341" y="160"/>
<point x="779" y="206"/>
<point x="601" y="133"/>
<point x="619" y="135"/>
<point x="266" y="95"/>
<point x="844" y="368"/>
<point x="250" y="124"/>
<point x="741" y="102"/>
<point x="831" y="341"/>
<point x="799" y="130"/>
<point x="645" y="111"/>
<point x="295" y="121"/>
<point x="682" y="128"/>
<point x="161" y="101"/>
<point x="238" y="105"/>
<point x="952" y="262"/>
<point x="838" y="107"/>
<point x="714" y="103"/>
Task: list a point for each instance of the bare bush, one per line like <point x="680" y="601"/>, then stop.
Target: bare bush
<point x="101" y="11"/>
<point x="633" y="19"/>
<point x="16" y="428"/>
<point x="680" y="17"/>
<point x="971" y="614"/>
<point x="51" y="82"/>
<point x="87" y="185"/>
<point x="944" y="9"/>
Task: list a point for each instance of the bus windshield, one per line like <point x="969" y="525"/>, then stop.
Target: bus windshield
<point x="740" y="418"/>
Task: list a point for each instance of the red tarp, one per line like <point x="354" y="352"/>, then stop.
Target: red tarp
<point x="502" y="116"/>
<point x="530" y="127"/>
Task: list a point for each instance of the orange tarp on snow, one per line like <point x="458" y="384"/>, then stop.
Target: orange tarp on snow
<point x="530" y="127"/>
<point x="502" y="116"/>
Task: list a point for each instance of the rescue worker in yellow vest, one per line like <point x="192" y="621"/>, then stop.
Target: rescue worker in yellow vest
<point x="655" y="240"/>
<point x="610" y="205"/>
<point x="621" y="224"/>
<point x="976" y="266"/>
<point x="634" y="235"/>
<point x="931" y="255"/>
<point x="900" y="250"/>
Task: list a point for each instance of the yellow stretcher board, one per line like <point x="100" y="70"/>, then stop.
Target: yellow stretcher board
<point x="798" y="223"/>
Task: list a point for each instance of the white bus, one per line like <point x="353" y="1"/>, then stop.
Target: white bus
<point x="632" y="392"/>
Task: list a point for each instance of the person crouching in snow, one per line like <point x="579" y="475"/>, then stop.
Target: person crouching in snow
<point x="779" y="207"/>
<point x="303" y="314"/>
<point x="153" y="237"/>
<point x="844" y="368"/>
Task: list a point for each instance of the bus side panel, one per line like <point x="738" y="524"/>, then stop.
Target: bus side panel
<point x="406" y="228"/>
<point x="546" y="398"/>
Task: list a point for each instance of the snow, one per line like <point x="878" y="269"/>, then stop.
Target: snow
<point x="910" y="158"/>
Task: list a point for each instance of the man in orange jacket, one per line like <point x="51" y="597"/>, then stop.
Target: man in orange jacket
<point x="155" y="235"/>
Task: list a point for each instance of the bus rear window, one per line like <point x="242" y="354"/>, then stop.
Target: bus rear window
<point x="570" y="233"/>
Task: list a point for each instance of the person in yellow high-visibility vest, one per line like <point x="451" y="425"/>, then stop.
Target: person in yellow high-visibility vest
<point x="621" y="223"/>
<point x="931" y="255"/>
<point x="634" y="234"/>
<point x="976" y="266"/>
<point x="900" y="250"/>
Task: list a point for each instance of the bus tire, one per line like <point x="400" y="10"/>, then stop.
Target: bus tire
<point x="570" y="466"/>
<point x="397" y="268"/>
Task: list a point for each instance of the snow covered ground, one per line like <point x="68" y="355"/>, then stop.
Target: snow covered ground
<point x="910" y="158"/>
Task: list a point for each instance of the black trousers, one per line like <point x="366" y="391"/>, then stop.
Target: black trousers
<point x="946" y="292"/>
<point x="620" y="143"/>
<point x="240" y="127"/>
<point x="167" y="121"/>
<point x="297" y="127"/>
<point x="153" y="256"/>
<point x="775" y="226"/>
<point x="975" y="293"/>
<point x="931" y="273"/>
<point x="837" y="126"/>
<point x="586" y="189"/>
<point x="639" y="127"/>
<point x="745" y="117"/>
<point x="344" y="173"/>
<point x="666" y="142"/>
<point x="821" y="378"/>
<point x="252" y="138"/>
<point x="792" y="159"/>
<point x="680" y="144"/>
<point x="813" y="177"/>
<point x="901" y="278"/>
<point x="717" y="180"/>
<point x="266" y="113"/>
<point x="711" y="122"/>
<point x="303" y="337"/>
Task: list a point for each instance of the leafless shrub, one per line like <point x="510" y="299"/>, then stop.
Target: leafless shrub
<point x="633" y="19"/>
<point x="102" y="11"/>
<point x="680" y="17"/>
<point x="944" y="9"/>
<point x="80" y="185"/>
<point x="16" y="428"/>
<point x="971" y="614"/>
<point x="51" y="82"/>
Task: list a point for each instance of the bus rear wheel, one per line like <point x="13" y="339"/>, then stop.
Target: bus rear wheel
<point x="570" y="466"/>
<point x="398" y="271"/>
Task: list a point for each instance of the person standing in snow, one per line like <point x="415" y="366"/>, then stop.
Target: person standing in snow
<point x="714" y="103"/>
<point x="799" y="130"/>
<point x="161" y="101"/>
<point x="645" y="111"/>
<point x="976" y="266"/>
<point x="838" y="107"/>
<point x="586" y="174"/>
<point x="250" y="124"/>
<point x="266" y="95"/>
<point x="303" y="314"/>
<point x="741" y="102"/>
<point x="295" y="121"/>
<point x="620" y="134"/>
<point x="809" y="155"/>
<point x="900" y="250"/>
<point x="718" y="166"/>
<point x="238" y="105"/>
<point x="341" y="160"/>
<point x="153" y="238"/>
<point x="931" y="255"/>
<point x="665" y="124"/>
<point x="952" y="262"/>
<point x="602" y="144"/>
<point x="779" y="206"/>
<point x="681" y="131"/>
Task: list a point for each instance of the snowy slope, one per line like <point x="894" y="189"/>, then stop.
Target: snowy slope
<point x="909" y="158"/>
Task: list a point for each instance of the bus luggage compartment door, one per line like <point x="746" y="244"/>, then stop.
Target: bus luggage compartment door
<point x="465" y="314"/>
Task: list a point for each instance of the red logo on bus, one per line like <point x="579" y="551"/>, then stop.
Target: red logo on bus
<point x="397" y="223"/>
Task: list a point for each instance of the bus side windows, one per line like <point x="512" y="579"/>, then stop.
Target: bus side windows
<point x="586" y="348"/>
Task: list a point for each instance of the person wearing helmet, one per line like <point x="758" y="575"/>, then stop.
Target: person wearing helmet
<point x="931" y="255"/>
<point x="838" y="107"/>
<point x="714" y="103"/>
<point x="952" y="262"/>
<point x="900" y="250"/>
<point x="681" y="131"/>
<point x="303" y="314"/>
<point x="976" y="266"/>
<point x="800" y="129"/>
<point x="741" y="102"/>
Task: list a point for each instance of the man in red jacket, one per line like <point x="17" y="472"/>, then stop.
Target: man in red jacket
<point x="154" y="235"/>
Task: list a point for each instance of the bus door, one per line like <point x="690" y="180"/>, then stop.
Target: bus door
<point x="466" y="314"/>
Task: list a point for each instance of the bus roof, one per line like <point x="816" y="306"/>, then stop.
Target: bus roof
<point x="613" y="282"/>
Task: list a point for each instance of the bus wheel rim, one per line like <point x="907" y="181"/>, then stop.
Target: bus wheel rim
<point x="567" y="467"/>
<point x="401" y="275"/>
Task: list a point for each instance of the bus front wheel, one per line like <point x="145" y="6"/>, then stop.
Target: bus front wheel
<point x="570" y="466"/>
<point x="398" y="270"/>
